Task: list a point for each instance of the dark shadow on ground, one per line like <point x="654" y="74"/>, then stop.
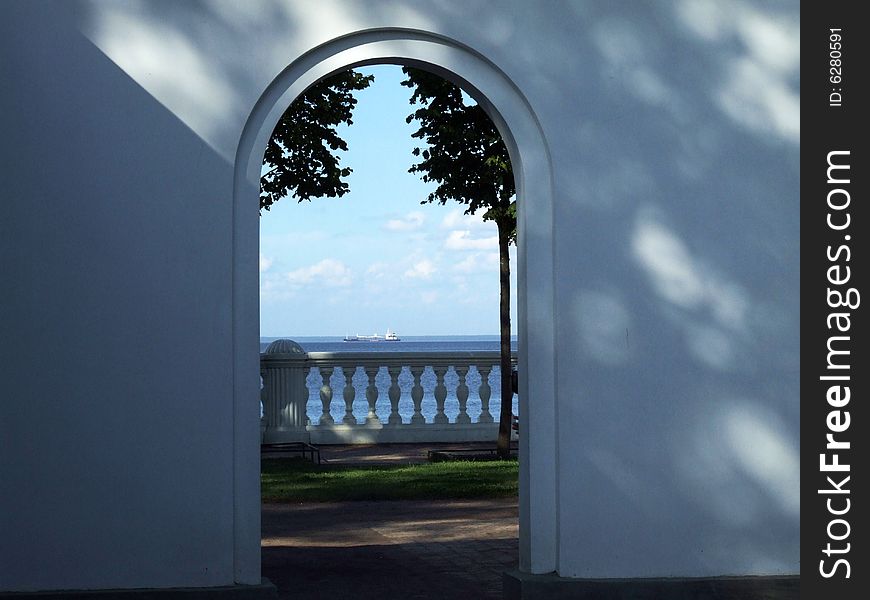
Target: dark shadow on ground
<point x="384" y="550"/>
<point x="402" y="571"/>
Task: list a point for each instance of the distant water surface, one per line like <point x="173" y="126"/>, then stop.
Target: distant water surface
<point x="418" y="343"/>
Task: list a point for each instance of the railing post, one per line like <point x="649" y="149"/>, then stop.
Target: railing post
<point x="462" y="395"/>
<point x="395" y="392"/>
<point x="285" y="394"/>
<point x="485" y="392"/>
<point x="326" y="395"/>
<point x="417" y="396"/>
<point x="440" y="395"/>
<point x="349" y="393"/>
<point x="372" y="394"/>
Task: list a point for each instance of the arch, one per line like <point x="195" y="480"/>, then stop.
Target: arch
<point x="516" y="121"/>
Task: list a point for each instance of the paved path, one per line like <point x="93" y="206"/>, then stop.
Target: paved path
<point x="414" y="550"/>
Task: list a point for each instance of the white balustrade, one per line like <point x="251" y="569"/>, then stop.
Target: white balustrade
<point x="462" y="395"/>
<point x="485" y="393"/>
<point x="395" y="394"/>
<point x="372" y="394"/>
<point x="349" y="393"/>
<point x="417" y="395"/>
<point x="440" y="394"/>
<point x="326" y="395"/>
<point x="285" y="396"/>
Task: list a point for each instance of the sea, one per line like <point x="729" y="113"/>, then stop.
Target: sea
<point x="433" y="344"/>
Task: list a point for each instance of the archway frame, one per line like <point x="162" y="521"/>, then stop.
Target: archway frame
<point x="515" y="119"/>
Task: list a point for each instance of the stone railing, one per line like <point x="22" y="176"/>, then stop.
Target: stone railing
<point x="399" y="389"/>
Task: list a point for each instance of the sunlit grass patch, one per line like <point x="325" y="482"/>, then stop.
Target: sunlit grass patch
<point x="297" y="480"/>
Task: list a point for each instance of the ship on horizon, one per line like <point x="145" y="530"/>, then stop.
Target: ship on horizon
<point x="389" y="337"/>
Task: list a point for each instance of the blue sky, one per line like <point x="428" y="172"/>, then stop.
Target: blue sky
<point x="376" y="258"/>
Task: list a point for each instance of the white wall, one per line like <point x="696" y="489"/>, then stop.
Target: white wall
<point x="677" y="256"/>
<point x="116" y="421"/>
<point x="673" y="138"/>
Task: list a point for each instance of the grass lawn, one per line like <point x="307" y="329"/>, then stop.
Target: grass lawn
<point x="298" y="480"/>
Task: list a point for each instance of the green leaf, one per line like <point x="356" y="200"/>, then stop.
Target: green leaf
<point x="300" y="158"/>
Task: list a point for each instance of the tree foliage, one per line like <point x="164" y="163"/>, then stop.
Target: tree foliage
<point x="468" y="160"/>
<point x="301" y="158"/>
<point x="464" y="153"/>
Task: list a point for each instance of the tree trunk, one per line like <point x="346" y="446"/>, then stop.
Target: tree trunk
<point x="503" y="447"/>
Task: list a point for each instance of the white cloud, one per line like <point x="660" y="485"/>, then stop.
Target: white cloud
<point x="429" y="297"/>
<point x="274" y="289"/>
<point x="292" y="239"/>
<point x="377" y="270"/>
<point x="478" y="262"/>
<point x="410" y="222"/>
<point x="421" y="270"/>
<point x="462" y="240"/>
<point x="329" y="272"/>
<point x="265" y="263"/>
<point x="457" y="219"/>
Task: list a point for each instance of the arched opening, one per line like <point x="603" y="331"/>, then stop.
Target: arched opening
<point x="352" y="242"/>
<point x="516" y="122"/>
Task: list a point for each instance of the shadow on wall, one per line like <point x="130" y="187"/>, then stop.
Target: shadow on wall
<point x="111" y="285"/>
<point x="681" y="179"/>
<point x="675" y="141"/>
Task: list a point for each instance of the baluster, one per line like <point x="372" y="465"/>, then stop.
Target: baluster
<point x="349" y="393"/>
<point x="263" y="413"/>
<point x="462" y="395"/>
<point x="326" y="395"/>
<point x="306" y="394"/>
<point x="395" y="393"/>
<point x="265" y="397"/>
<point x="372" y="394"/>
<point x="417" y="395"/>
<point x="484" y="392"/>
<point x="440" y="395"/>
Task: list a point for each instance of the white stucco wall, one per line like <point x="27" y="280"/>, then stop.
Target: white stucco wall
<point x="673" y="145"/>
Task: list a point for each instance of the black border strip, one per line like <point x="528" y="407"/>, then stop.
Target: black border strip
<point x="834" y="227"/>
